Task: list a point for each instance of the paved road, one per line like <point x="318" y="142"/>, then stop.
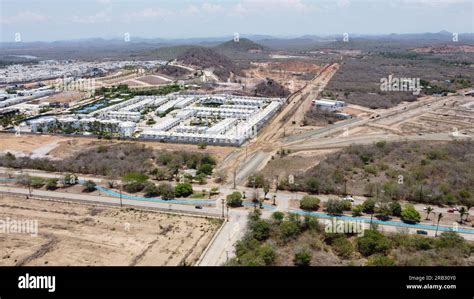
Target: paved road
<point x="324" y="131"/>
<point x="338" y="142"/>
<point x="252" y="165"/>
<point x="392" y="225"/>
<point x="222" y="247"/>
<point x="205" y="211"/>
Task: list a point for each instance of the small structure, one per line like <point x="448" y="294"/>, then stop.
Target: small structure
<point x="327" y="104"/>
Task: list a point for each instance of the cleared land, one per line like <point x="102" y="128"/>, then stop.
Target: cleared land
<point x="79" y="234"/>
<point x="70" y="146"/>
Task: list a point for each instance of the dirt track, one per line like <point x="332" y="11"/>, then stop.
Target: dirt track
<point x="79" y="234"/>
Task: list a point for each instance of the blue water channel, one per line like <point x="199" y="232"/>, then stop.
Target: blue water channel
<point x="374" y="220"/>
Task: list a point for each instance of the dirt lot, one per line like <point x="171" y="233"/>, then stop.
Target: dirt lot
<point x="79" y="234"/>
<point x="153" y="80"/>
<point x="293" y="74"/>
<point x="65" y="97"/>
<point x="294" y="163"/>
<point x="61" y="147"/>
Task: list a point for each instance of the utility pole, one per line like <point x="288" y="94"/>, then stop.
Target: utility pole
<point x="421" y="192"/>
<point x="121" y="205"/>
<point x="235" y="176"/>
<point x="227" y="213"/>
<point x="223" y="201"/>
<point x="29" y="187"/>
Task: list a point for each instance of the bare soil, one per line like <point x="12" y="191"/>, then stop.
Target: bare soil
<point x="79" y="234"/>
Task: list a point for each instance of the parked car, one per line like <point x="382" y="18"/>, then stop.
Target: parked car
<point x="421" y="232"/>
<point x="198" y="207"/>
<point x="350" y="198"/>
<point x="451" y="210"/>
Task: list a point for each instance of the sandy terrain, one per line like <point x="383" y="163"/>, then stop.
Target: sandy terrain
<point x="79" y="234"/>
<point x="61" y="147"/>
<point x="154" y="80"/>
<point x="293" y="74"/>
<point x="294" y="163"/>
<point x="65" y="97"/>
<point x="443" y="49"/>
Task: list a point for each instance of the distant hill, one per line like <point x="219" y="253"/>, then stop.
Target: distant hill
<point x="207" y="58"/>
<point x="172" y="52"/>
<point x="243" y="49"/>
<point x="243" y="45"/>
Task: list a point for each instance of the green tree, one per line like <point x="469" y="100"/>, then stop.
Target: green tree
<point x="134" y="182"/>
<point x="201" y="179"/>
<point x="37" y="182"/>
<point x="440" y="216"/>
<point x="160" y="174"/>
<point x="429" y="210"/>
<point x="151" y="190"/>
<point x="334" y="207"/>
<point x="278" y="216"/>
<point x="134" y="177"/>
<point x="380" y="260"/>
<point x="452" y="240"/>
<point x="183" y="190"/>
<point x="302" y="258"/>
<point x="51" y="184"/>
<point x="234" y="199"/>
<point x="368" y="206"/>
<point x="372" y="242"/>
<point x="309" y="203"/>
<point x="462" y="211"/>
<point x="357" y="210"/>
<point x="395" y="208"/>
<point x="343" y="247"/>
<point x="90" y="186"/>
<point x="206" y="169"/>
<point x="166" y="191"/>
<point x="260" y="229"/>
<point x="312" y="185"/>
<point x="410" y="215"/>
<point x="288" y="230"/>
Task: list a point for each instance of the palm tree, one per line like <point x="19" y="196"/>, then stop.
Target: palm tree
<point x="469" y="204"/>
<point x="439" y="218"/>
<point x="462" y="211"/>
<point x="428" y="212"/>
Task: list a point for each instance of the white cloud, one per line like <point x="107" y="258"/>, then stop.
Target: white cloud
<point x="24" y="17"/>
<point x="149" y="13"/>
<point x="245" y="7"/>
<point x="100" y="17"/>
<point x="343" y="3"/>
<point x="435" y="3"/>
<point x="212" y="8"/>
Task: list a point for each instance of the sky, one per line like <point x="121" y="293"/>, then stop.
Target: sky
<point x="51" y="20"/>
